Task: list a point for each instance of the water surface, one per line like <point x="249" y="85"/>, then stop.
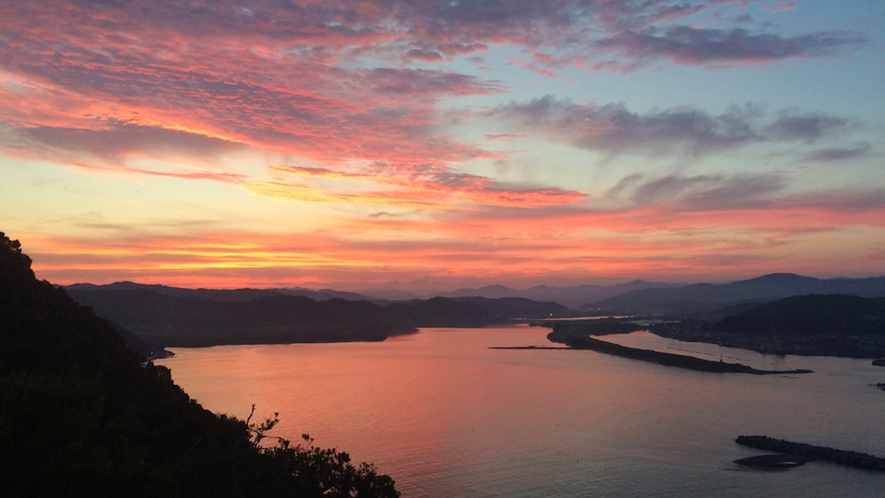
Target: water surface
<point x="446" y="416"/>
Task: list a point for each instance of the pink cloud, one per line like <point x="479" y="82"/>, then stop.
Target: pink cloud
<point x="539" y="245"/>
<point x="423" y="187"/>
<point x="785" y="6"/>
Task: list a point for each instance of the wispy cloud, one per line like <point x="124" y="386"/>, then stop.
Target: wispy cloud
<point x="838" y="154"/>
<point x="696" y="46"/>
<point x="568" y="243"/>
<point x="706" y="192"/>
<point x="422" y="186"/>
<point x="370" y="110"/>
<point x="614" y="129"/>
<point x="116" y="140"/>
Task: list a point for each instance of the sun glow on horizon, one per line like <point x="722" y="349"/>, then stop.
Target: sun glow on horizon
<point x="370" y="145"/>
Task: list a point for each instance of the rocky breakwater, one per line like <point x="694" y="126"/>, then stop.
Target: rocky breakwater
<point x="810" y="452"/>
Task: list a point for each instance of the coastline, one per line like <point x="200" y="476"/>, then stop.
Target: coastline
<point x="661" y="358"/>
<point x="810" y="452"/>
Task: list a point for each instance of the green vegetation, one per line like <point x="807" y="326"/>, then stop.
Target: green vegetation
<point x="82" y="415"/>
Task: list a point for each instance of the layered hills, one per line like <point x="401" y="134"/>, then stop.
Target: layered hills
<point x="815" y="325"/>
<point x="703" y="298"/>
<point x="168" y="316"/>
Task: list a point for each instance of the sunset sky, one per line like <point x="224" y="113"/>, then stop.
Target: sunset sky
<point x="442" y="144"/>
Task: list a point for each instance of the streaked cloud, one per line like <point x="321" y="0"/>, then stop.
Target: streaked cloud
<point x="839" y="154"/>
<point x="614" y="129"/>
<point x="695" y="46"/>
<point x="116" y="140"/>
<point x="422" y="186"/>
<point x="511" y="246"/>
<point x="377" y="144"/>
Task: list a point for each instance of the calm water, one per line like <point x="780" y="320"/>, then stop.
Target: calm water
<point x="445" y="416"/>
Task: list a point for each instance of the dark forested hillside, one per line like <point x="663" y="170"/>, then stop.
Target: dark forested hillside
<point x="518" y="307"/>
<point x="831" y="325"/>
<point x="251" y="316"/>
<point x="82" y="415"/>
<point x="276" y="318"/>
<point x="811" y="315"/>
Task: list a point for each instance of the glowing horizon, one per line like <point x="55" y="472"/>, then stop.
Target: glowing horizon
<point x="437" y="145"/>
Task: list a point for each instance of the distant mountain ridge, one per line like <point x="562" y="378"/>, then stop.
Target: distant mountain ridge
<point x="241" y="295"/>
<point x="638" y="296"/>
<point x="699" y="298"/>
<point x="571" y="296"/>
<point x="168" y="316"/>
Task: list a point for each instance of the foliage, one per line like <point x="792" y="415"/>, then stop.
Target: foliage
<point x="81" y="415"/>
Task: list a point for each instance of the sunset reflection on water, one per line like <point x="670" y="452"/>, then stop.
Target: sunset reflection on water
<point x="446" y="416"/>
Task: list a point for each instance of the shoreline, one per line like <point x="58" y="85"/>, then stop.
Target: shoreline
<point x="527" y="347"/>
<point x="666" y="359"/>
<point x="810" y="452"/>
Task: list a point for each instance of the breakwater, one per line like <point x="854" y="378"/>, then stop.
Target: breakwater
<point x="668" y="359"/>
<point x="810" y="452"/>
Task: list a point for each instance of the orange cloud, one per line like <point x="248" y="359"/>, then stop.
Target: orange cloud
<point x="506" y="245"/>
<point x="423" y="187"/>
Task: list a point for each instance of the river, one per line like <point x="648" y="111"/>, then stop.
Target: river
<point x="446" y="417"/>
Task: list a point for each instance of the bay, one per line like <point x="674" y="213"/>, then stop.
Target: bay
<point x="444" y="415"/>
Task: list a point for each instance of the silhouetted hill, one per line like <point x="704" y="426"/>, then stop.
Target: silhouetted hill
<point x="831" y="325"/>
<point x="173" y="318"/>
<point x="277" y="318"/>
<point x="240" y="295"/>
<point x="82" y="415"/>
<point x="143" y="348"/>
<point x="323" y="294"/>
<point x="518" y="307"/>
<point x="489" y="291"/>
<point x="440" y="312"/>
<point x="810" y="315"/>
<point x="572" y="297"/>
<point x="699" y="298"/>
<point x="190" y="321"/>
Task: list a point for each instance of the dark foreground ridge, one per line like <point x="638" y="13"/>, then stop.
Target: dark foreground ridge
<point x="82" y="415"/>
<point x="668" y="359"/>
<point x="810" y="452"/>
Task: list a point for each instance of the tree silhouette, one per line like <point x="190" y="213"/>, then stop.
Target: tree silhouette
<point x="81" y="415"/>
